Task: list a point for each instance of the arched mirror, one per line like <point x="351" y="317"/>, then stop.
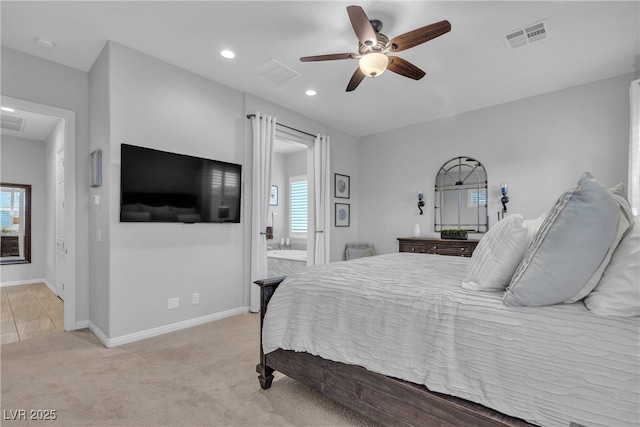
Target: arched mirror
<point x="15" y="218"/>
<point x="461" y="196"/>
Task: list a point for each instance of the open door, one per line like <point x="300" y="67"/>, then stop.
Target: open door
<point x="61" y="248"/>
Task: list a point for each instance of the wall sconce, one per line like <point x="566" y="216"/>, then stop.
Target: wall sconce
<point x="420" y="201"/>
<point x="505" y="199"/>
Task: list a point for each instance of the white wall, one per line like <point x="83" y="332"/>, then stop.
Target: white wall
<point x="540" y="146"/>
<point x="100" y="137"/>
<point x="157" y="105"/>
<point x="23" y="162"/>
<point x="37" y="80"/>
<point x="279" y="178"/>
<point x="345" y="161"/>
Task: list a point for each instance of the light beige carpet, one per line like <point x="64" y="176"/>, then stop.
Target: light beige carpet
<point x="201" y="376"/>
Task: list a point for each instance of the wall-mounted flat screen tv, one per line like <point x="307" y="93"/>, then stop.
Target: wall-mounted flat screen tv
<point x="158" y="186"/>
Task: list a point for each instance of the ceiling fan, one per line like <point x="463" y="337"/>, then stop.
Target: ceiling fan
<point x="374" y="47"/>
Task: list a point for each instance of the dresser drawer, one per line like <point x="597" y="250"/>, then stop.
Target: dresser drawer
<point x="419" y="248"/>
<point x="437" y="246"/>
<point x="451" y="250"/>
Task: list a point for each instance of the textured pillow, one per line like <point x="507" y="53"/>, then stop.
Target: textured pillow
<point x="497" y="255"/>
<point x="618" y="292"/>
<point x="569" y="247"/>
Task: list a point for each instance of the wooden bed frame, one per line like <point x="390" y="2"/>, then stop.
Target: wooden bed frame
<point x="387" y="400"/>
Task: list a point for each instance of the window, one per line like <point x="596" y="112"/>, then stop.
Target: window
<point x="15" y="220"/>
<point x="10" y="208"/>
<point x="298" y="206"/>
<point x="476" y="197"/>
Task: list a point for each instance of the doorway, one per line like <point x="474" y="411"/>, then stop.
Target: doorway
<point x="64" y="254"/>
<point x="288" y="211"/>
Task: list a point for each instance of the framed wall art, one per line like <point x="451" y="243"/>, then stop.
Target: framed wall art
<point x="273" y="196"/>
<point x="342" y="186"/>
<point x="343" y="214"/>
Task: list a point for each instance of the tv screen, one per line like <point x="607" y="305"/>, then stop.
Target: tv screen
<point x="158" y="186"/>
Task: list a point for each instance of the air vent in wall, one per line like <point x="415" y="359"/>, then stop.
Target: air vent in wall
<point x="527" y="35"/>
<point x="275" y="72"/>
<point x="12" y="122"/>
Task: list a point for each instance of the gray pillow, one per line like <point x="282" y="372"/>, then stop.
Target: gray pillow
<point x="568" y="249"/>
<point x="625" y="221"/>
<point x="354" y="253"/>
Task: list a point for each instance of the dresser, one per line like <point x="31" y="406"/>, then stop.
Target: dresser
<point x="425" y="245"/>
<point x="10" y="246"/>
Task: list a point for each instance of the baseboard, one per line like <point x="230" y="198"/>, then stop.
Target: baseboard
<point x="27" y="282"/>
<point x="81" y="325"/>
<point x="98" y="333"/>
<point x="51" y="287"/>
<point x="149" y="333"/>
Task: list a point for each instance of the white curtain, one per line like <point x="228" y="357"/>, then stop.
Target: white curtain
<point x="318" y="247"/>
<point x="634" y="148"/>
<point x="263" y="140"/>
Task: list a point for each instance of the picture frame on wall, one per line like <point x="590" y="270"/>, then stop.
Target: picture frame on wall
<point x="342" y="186"/>
<point x="96" y="168"/>
<point x="343" y="215"/>
<point x="273" y="196"/>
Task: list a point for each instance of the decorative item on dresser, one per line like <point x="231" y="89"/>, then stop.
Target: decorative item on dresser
<point x="437" y="246"/>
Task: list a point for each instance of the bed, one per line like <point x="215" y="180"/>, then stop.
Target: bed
<point x="397" y="338"/>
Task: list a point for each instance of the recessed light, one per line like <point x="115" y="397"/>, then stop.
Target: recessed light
<point x="45" y="42"/>
<point x="7" y="109"/>
<point x="228" y="54"/>
<point x="310" y="92"/>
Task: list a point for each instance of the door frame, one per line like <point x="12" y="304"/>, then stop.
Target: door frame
<point x="69" y="120"/>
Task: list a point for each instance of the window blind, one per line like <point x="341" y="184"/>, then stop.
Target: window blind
<point x="298" y="206"/>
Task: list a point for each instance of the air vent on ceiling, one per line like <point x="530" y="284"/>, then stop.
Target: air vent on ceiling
<point x="275" y="72"/>
<point x="12" y="122"/>
<point x="527" y="35"/>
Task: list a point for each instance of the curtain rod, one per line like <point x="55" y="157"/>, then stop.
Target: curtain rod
<point x="285" y="126"/>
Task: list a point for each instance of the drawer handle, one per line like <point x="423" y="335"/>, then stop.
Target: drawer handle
<point x="413" y="249"/>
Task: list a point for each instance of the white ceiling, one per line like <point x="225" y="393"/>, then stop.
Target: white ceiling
<point x="35" y="126"/>
<point x="467" y="69"/>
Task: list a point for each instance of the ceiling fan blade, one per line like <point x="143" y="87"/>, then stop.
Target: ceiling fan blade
<point x="404" y="68"/>
<point x="362" y="26"/>
<point x="330" y="57"/>
<point x="419" y="36"/>
<point x="357" y="77"/>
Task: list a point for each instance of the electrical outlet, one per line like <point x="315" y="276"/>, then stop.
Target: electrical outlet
<point x="195" y="298"/>
<point x="174" y="303"/>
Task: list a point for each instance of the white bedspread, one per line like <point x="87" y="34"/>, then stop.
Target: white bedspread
<point x="405" y="315"/>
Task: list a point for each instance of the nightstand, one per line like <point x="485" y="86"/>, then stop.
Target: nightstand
<point x="437" y="246"/>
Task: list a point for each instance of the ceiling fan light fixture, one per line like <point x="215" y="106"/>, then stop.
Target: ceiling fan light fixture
<point x="373" y="64"/>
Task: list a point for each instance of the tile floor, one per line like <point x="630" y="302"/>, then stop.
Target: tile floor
<point x="29" y="311"/>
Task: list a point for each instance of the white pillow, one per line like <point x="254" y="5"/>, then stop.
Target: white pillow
<point x="497" y="255"/>
<point x="569" y="247"/>
<point x="533" y="225"/>
<point x="618" y="292"/>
